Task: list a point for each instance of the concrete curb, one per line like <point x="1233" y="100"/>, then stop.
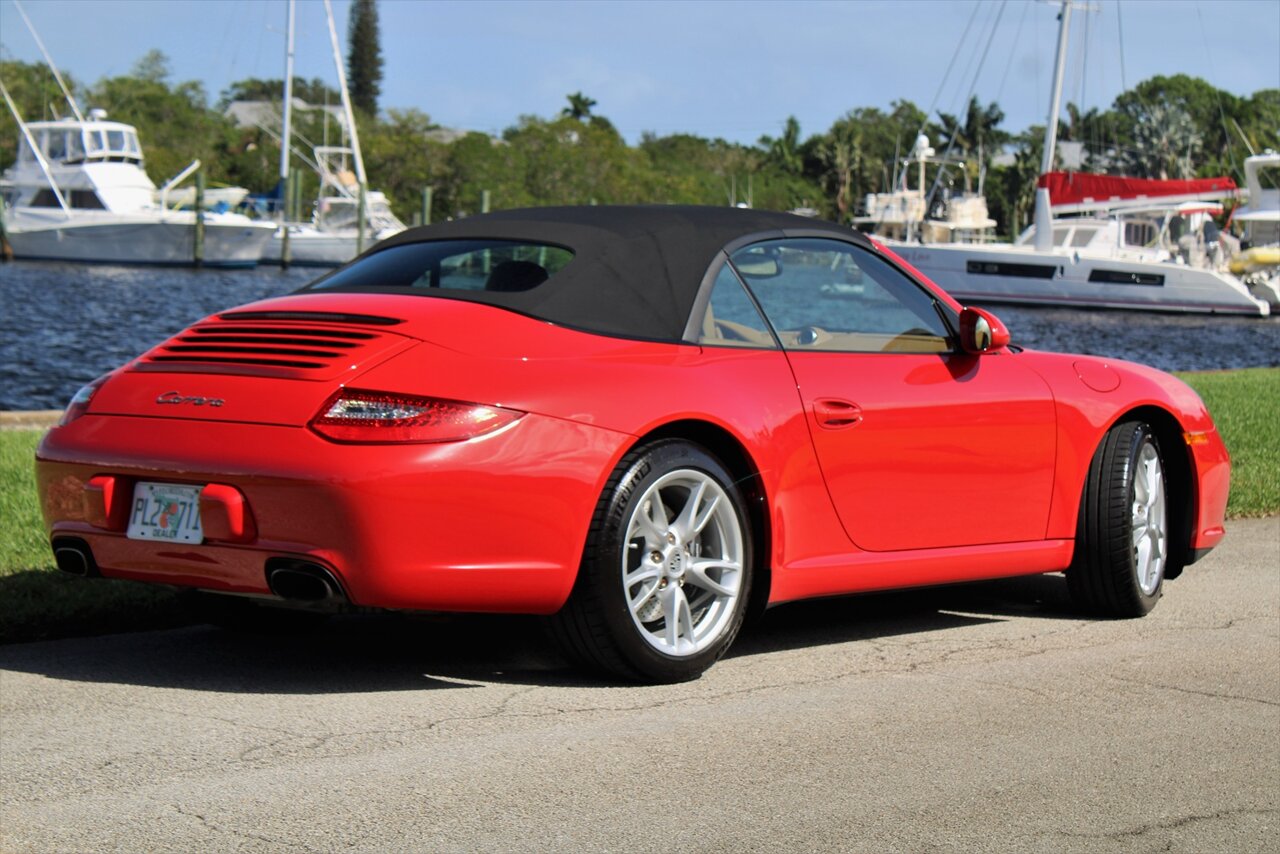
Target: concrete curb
<point x="41" y="420"/>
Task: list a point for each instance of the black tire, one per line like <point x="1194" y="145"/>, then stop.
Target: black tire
<point x="596" y="628"/>
<point x="1108" y="574"/>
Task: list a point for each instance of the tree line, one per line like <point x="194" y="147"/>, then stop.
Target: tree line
<point x="1175" y="126"/>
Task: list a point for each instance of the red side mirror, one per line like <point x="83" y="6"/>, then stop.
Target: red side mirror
<point x="981" y="331"/>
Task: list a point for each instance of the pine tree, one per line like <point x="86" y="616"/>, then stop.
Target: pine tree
<point x="364" y="56"/>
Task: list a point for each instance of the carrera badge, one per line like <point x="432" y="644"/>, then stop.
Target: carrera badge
<point x="177" y="398"/>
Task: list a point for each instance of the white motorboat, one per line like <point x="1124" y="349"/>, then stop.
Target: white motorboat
<point x="78" y="192"/>
<point x="1104" y="261"/>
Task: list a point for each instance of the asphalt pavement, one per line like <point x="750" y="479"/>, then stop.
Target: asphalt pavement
<point x="988" y="717"/>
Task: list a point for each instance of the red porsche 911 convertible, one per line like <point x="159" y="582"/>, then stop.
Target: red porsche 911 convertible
<point x="642" y="422"/>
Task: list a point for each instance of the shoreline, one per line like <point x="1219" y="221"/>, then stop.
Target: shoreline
<point x="41" y="419"/>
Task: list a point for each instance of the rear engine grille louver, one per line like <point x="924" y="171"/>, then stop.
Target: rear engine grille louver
<point x="264" y="345"/>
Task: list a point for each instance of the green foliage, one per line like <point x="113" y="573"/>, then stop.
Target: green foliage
<point x="784" y="152"/>
<point x="402" y="159"/>
<point x="1164" y="141"/>
<point x="36" y="94"/>
<point x="364" y="57"/>
<point x="1010" y="190"/>
<point x="1165" y="125"/>
<point x="153" y="67"/>
<point x="579" y="107"/>
<point x="978" y="137"/>
<point x="314" y="91"/>
<point x="1259" y="122"/>
<point x="859" y="154"/>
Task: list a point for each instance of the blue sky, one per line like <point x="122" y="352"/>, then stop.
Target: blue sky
<point x="721" y="68"/>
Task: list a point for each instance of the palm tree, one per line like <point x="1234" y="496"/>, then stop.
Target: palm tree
<point x="1166" y="143"/>
<point x="579" y="107"/>
<point x="784" y="152"/>
<point x="841" y="157"/>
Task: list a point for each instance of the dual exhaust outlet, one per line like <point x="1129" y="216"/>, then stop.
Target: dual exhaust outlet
<point x="295" y="581"/>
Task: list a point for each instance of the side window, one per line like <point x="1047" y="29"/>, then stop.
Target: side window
<point x="732" y="319"/>
<point x="827" y="295"/>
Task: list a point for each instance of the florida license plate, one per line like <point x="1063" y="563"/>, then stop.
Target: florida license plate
<point x="167" y="512"/>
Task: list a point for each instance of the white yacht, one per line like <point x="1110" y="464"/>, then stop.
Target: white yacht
<point x="1088" y="265"/>
<point x="78" y="192"/>
<point x="1115" y="243"/>
<point x="1102" y="261"/>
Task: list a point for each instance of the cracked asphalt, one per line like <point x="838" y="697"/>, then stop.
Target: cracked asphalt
<point x="989" y="717"/>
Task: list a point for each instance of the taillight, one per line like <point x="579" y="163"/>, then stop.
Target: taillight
<point x="352" y="415"/>
<point x="79" y="403"/>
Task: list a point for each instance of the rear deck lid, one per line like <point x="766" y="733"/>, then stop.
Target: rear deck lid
<point x="258" y="366"/>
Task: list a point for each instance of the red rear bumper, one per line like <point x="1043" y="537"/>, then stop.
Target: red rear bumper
<point x="492" y="524"/>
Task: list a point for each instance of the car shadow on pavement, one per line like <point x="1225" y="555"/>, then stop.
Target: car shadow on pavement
<point x="411" y="652"/>
<point x="842" y="619"/>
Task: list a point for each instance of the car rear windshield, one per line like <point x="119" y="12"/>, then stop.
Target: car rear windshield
<point x="455" y="265"/>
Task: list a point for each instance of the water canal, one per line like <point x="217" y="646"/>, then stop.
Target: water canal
<point x="61" y="325"/>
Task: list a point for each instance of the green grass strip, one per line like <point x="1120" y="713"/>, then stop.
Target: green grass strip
<point x="36" y="600"/>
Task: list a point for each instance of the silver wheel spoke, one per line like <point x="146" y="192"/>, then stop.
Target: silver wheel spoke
<point x="679" y="628"/>
<point x="1144" y="561"/>
<point x="644" y="573"/>
<point x="1153" y="482"/>
<point x="706" y="516"/>
<point x="697" y="570"/>
<point x="654" y="530"/>
<point x="684" y="524"/>
<point x="1148" y="521"/>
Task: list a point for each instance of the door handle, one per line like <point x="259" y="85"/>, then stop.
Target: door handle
<point x="835" y="414"/>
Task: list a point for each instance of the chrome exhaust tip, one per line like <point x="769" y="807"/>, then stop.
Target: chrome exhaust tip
<point x="73" y="555"/>
<point x="298" y="581"/>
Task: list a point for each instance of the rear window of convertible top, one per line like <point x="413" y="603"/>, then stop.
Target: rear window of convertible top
<point x="458" y="265"/>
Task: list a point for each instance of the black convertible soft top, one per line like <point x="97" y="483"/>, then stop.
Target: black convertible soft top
<point x="636" y="269"/>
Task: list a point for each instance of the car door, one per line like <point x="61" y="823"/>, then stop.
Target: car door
<point x="921" y="445"/>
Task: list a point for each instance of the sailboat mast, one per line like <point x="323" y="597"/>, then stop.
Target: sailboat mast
<point x="1043" y="214"/>
<point x="286" y="132"/>
<point x="1055" y="99"/>
<point x="66" y="93"/>
<point x="346" y="95"/>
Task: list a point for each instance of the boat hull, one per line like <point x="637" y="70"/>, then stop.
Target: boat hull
<point x="314" y="249"/>
<point x="1025" y="277"/>
<point x="139" y="241"/>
